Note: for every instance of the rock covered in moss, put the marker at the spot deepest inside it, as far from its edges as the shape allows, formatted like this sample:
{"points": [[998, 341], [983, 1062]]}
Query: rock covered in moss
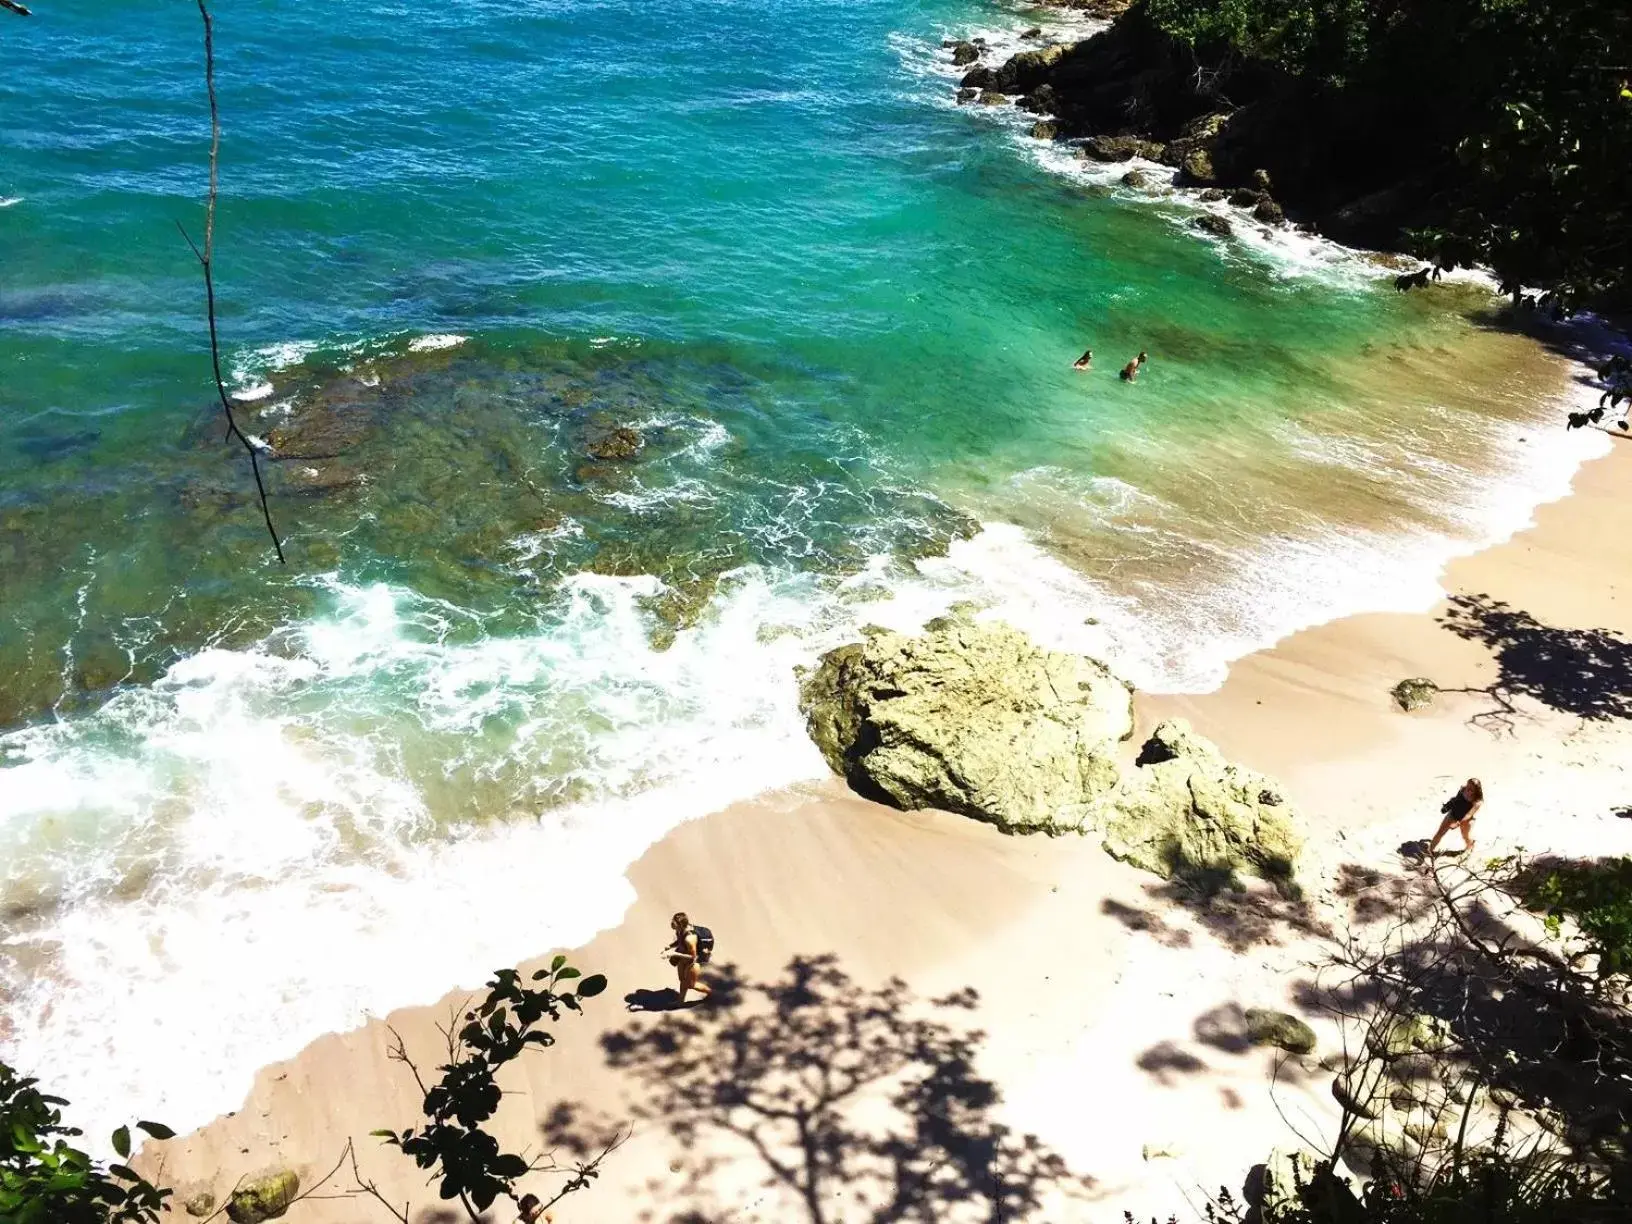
{"points": [[971, 718], [1415, 693], [1043, 130], [1281, 1029], [1187, 812], [263, 1198]]}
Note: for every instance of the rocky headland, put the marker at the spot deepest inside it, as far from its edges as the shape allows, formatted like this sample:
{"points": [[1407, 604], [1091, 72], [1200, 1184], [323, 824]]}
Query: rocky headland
{"points": [[976, 718], [1353, 164]]}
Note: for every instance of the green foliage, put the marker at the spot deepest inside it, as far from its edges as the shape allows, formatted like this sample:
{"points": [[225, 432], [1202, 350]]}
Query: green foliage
{"points": [[468, 1162], [1527, 104], [45, 1180], [1597, 898]]}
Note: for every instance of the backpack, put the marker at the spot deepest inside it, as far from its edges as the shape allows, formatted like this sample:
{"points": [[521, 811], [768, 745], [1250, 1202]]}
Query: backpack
{"points": [[705, 944]]}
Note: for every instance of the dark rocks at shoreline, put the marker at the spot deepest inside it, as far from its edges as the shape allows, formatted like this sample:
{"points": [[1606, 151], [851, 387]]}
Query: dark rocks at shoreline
{"points": [[1040, 102], [1035, 32], [1269, 212], [1139, 179], [1024, 71], [1212, 223], [1122, 148], [990, 97], [964, 53], [967, 95], [1043, 130]]}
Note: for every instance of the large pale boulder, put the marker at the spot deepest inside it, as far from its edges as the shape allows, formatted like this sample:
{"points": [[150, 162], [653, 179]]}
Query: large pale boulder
{"points": [[1186, 811], [971, 718]]}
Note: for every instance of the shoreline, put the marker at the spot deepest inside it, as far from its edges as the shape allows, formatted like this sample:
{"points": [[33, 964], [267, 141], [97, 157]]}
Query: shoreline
{"points": [[1093, 977]]}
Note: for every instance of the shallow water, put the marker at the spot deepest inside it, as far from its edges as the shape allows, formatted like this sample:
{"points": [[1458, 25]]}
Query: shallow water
{"points": [[242, 804]]}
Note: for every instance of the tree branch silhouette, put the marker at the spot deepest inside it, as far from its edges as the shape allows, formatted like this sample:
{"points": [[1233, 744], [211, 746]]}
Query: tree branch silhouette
{"points": [[206, 258]]}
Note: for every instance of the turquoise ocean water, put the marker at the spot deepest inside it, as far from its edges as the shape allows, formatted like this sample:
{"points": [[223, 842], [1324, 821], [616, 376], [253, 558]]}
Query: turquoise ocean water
{"points": [[242, 804]]}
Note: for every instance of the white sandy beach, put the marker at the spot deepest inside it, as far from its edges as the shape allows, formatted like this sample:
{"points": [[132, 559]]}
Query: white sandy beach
{"points": [[1110, 1009]]}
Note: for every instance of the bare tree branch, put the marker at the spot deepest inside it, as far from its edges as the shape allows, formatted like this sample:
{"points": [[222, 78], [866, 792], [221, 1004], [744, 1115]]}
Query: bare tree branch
{"points": [[205, 259]]}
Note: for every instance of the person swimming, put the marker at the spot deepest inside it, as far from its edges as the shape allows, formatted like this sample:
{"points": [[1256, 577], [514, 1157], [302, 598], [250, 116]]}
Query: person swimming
{"points": [[1085, 362], [1131, 370]]}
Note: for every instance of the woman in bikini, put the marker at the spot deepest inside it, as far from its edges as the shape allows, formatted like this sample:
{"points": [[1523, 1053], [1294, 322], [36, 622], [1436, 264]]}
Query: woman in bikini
{"points": [[1459, 810], [682, 954]]}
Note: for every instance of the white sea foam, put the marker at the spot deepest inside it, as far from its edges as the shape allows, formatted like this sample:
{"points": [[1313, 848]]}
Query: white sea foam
{"points": [[9, 201], [431, 344], [253, 392], [308, 878]]}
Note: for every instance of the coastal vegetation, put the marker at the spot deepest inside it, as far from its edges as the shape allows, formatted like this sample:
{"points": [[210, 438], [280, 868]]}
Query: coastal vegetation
{"points": [[46, 1179], [1487, 132]]}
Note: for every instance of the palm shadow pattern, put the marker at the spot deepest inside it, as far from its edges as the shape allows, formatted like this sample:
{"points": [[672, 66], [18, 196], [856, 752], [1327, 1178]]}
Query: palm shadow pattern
{"points": [[1585, 672], [861, 1104]]}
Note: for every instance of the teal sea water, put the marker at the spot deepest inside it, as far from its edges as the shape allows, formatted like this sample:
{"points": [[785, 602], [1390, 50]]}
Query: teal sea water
{"points": [[459, 247]]}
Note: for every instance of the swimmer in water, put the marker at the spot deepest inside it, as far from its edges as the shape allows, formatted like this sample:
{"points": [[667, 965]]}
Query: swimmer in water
{"points": [[1085, 362]]}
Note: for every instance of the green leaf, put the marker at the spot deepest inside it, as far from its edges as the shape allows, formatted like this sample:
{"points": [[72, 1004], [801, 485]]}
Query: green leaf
{"points": [[555, 965], [156, 1130], [569, 972], [121, 1142], [592, 986]]}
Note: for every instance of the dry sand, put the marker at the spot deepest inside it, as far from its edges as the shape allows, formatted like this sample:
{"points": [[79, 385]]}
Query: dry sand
{"points": [[1111, 1010]]}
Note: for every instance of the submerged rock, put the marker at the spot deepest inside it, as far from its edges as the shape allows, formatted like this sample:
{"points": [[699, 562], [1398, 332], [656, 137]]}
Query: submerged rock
{"points": [[263, 1198], [1136, 178], [1033, 33], [620, 442], [1212, 223], [970, 718], [968, 95], [1187, 812], [964, 53]]}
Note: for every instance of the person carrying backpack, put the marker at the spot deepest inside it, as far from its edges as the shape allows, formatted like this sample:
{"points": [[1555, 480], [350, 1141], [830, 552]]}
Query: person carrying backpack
{"points": [[693, 947]]}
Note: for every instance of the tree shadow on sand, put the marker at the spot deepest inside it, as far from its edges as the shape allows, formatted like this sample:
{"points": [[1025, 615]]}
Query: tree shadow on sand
{"points": [[1585, 672], [859, 1104]]}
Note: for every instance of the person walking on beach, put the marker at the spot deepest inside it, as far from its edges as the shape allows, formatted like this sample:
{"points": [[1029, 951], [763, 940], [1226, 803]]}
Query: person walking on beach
{"points": [[1085, 362], [1459, 810], [686, 955]]}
